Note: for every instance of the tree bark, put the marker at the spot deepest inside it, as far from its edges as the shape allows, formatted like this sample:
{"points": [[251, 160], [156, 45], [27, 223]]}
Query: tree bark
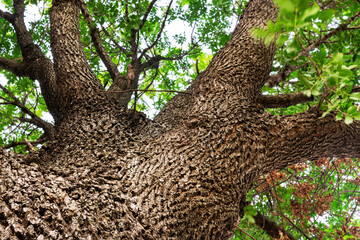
{"points": [[111, 173]]}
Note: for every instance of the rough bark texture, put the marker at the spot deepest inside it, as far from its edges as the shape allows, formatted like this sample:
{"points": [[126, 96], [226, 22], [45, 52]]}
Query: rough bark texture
{"points": [[111, 173]]}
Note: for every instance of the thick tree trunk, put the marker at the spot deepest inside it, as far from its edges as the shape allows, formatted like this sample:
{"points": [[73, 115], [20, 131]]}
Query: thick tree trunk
{"points": [[113, 174]]}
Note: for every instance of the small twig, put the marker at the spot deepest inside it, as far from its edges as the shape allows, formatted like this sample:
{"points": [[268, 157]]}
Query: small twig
{"points": [[308, 54], [29, 145], [43, 36], [14, 144], [197, 67], [246, 233], [152, 81], [294, 225]]}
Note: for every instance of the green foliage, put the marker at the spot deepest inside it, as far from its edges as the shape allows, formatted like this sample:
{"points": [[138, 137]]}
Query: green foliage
{"points": [[332, 68]]}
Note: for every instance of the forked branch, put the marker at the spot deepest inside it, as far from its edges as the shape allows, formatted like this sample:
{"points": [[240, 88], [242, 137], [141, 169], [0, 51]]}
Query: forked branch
{"points": [[35, 119], [100, 49], [335, 31], [159, 33]]}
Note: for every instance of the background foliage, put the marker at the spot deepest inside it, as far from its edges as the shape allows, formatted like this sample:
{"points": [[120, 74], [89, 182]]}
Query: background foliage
{"points": [[318, 55]]}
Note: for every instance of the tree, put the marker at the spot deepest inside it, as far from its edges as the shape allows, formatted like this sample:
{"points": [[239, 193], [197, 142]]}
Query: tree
{"points": [[105, 171]]}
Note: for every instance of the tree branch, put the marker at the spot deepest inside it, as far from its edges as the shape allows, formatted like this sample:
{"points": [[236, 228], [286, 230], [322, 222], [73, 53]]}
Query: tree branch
{"points": [[122, 49], [154, 61], [14, 67], [283, 74], [289, 99], [159, 33], [7, 16], [335, 31], [100, 49], [36, 120], [14, 144], [271, 227], [241, 67], [292, 139], [151, 5], [284, 100], [76, 82], [34, 65]]}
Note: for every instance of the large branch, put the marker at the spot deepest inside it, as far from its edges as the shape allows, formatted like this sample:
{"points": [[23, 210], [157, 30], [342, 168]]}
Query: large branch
{"points": [[284, 100], [77, 83], [12, 66], [289, 99], [34, 65], [271, 227], [307, 136], [240, 69]]}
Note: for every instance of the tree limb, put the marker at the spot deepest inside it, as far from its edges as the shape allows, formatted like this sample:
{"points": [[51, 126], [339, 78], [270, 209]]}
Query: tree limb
{"points": [[34, 65], [14, 144], [100, 49], [292, 139], [12, 66], [283, 74], [154, 61], [289, 99], [122, 49], [151, 5], [36, 120], [7, 16], [77, 84], [284, 100], [271, 227], [335, 31], [159, 33]]}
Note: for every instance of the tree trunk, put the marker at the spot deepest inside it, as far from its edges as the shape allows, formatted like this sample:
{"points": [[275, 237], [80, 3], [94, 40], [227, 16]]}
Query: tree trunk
{"points": [[112, 173]]}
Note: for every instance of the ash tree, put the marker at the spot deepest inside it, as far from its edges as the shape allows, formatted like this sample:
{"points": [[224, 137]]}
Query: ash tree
{"points": [[233, 112]]}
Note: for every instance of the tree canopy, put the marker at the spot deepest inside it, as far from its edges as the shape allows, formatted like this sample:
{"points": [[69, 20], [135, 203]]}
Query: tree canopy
{"points": [[164, 45]]}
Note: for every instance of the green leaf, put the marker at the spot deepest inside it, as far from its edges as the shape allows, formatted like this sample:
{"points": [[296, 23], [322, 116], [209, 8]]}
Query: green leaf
{"points": [[348, 119], [339, 116], [307, 93], [282, 39], [270, 26], [285, 5], [331, 81], [310, 12], [352, 110], [315, 92], [338, 58], [356, 116], [355, 96]]}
